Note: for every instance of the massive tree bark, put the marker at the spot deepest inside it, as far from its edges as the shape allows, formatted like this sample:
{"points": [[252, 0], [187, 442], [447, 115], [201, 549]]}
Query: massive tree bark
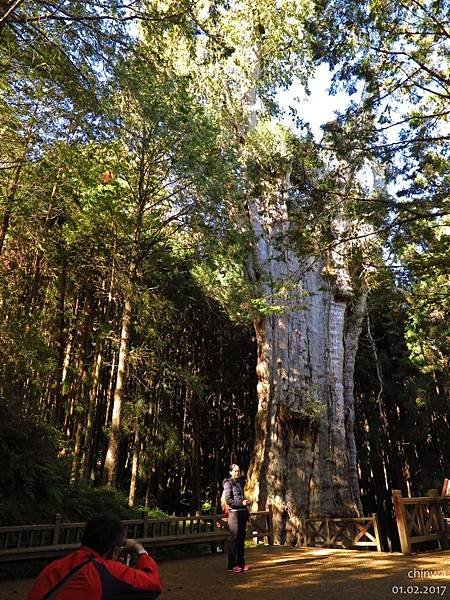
{"points": [[304, 460]]}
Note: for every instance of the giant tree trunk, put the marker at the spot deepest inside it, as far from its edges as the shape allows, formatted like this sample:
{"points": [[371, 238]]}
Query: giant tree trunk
{"points": [[304, 460]]}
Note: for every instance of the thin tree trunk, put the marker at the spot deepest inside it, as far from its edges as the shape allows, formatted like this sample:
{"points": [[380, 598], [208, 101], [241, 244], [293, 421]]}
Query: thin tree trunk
{"points": [[11, 193], [10, 197], [7, 8], [60, 338], [80, 389], [30, 292], [86, 460], [152, 426], [134, 466], [195, 452], [74, 473], [112, 454], [86, 463]]}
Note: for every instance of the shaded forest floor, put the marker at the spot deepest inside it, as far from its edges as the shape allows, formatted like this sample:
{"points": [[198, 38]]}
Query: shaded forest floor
{"points": [[293, 574]]}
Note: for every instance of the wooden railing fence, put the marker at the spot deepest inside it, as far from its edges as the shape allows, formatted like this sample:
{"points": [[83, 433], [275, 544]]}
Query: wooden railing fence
{"points": [[56, 539], [422, 519], [259, 526], [344, 532], [50, 540]]}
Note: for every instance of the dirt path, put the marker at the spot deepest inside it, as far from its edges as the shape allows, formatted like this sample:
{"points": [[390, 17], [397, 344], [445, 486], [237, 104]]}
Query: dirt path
{"points": [[279, 573]]}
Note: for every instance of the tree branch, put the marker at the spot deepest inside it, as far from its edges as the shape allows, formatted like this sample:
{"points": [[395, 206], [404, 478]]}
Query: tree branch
{"points": [[431, 16], [434, 74]]}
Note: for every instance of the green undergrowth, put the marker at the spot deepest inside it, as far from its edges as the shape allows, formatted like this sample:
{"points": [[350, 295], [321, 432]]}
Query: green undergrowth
{"points": [[77, 503], [35, 475], [252, 544]]}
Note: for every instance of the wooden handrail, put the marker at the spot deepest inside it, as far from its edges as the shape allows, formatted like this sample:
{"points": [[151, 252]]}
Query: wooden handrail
{"points": [[23, 541], [340, 519], [426, 500]]}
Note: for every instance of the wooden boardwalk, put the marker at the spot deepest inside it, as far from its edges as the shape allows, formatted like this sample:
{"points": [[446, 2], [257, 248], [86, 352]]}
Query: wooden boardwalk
{"points": [[297, 574]]}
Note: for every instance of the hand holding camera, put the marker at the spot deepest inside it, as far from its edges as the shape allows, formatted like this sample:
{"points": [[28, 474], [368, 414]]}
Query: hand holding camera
{"points": [[132, 545]]}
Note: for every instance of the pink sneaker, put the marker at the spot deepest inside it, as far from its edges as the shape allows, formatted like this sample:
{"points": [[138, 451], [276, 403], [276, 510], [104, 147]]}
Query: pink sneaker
{"points": [[246, 568], [235, 570]]}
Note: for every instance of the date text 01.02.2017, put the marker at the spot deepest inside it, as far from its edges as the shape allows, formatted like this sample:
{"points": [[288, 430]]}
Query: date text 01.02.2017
{"points": [[430, 590]]}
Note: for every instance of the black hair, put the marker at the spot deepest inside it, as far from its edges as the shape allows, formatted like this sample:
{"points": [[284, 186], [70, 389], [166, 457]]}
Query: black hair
{"points": [[103, 533]]}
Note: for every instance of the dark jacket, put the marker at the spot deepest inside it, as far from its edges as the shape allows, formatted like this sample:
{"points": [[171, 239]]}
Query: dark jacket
{"points": [[99, 579], [234, 493]]}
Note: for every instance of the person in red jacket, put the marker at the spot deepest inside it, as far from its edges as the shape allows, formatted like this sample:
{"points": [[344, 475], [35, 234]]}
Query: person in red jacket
{"points": [[95, 572]]}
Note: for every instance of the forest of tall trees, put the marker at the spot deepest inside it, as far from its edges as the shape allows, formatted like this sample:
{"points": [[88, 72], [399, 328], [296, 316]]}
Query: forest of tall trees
{"points": [[186, 282]]}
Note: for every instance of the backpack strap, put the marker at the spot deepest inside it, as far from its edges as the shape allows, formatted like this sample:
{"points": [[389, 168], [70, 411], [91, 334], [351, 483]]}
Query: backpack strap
{"points": [[51, 594]]}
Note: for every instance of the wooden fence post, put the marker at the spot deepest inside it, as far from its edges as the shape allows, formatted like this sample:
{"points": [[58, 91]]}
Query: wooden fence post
{"points": [[401, 522], [301, 536], [214, 528], [145, 525], [58, 519], [442, 528], [307, 538], [327, 529], [376, 529], [253, 525], [270, 524]]}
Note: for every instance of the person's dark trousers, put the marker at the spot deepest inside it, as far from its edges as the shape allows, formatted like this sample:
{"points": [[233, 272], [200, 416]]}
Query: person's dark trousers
{"points": [[237, 523]]}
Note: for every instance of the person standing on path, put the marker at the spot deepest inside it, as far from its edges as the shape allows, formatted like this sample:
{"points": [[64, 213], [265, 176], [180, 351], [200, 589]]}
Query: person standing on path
{"points": [[237, 520]]}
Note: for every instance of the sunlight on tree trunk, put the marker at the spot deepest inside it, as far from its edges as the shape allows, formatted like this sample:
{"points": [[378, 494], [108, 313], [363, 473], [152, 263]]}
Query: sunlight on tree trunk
{"points": [[112, 454]]}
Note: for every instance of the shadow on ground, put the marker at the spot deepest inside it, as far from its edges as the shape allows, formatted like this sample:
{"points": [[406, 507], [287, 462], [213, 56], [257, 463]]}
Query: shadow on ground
{"points": [[298, 574]]}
